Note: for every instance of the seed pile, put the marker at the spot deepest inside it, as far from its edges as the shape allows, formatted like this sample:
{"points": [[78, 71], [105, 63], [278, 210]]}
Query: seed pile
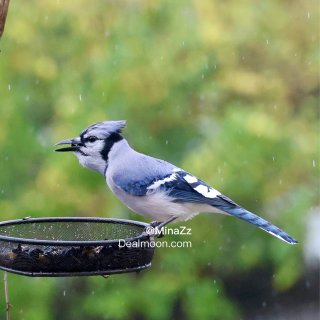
{"points": [[31, 258]]}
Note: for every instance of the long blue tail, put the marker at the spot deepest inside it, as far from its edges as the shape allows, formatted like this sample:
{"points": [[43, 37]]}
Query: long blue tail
{"points": [[227, 205]]}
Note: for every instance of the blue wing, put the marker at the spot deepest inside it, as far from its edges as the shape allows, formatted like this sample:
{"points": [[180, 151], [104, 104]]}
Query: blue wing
{"points": [[172, 181], [136, 188], [182, 187]]}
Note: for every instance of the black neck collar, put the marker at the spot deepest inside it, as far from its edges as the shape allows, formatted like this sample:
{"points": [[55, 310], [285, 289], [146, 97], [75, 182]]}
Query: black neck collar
{"points": [[109, 142]]}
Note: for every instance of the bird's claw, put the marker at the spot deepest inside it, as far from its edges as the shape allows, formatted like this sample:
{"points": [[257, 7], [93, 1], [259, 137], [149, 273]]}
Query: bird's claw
{"points": [[155, 224], [156, 231]]}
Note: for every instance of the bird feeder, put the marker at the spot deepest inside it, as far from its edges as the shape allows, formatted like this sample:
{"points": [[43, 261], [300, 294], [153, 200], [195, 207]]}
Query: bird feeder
{"points": [[55, 247]]}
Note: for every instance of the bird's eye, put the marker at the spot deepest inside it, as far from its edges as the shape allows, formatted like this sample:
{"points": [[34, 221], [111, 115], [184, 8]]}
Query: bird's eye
{"points": [[92, 139]]}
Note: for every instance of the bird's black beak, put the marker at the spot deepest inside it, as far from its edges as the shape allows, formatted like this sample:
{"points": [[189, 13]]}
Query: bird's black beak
{"points": [[74, 142]]}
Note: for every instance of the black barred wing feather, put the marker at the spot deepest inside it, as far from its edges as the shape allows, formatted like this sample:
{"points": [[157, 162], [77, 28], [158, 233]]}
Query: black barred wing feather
{"points": [[184, 187]]}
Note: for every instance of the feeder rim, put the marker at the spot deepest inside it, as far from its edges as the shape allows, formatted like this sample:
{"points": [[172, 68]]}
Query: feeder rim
{"points": [[27, 220], [76, 273]]}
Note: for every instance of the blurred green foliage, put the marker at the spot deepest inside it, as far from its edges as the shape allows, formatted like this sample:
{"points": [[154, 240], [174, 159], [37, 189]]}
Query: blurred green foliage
{"points": [[227, 90]]}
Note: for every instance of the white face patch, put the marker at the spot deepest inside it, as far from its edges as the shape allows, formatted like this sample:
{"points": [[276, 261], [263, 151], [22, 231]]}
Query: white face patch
{"points": [[92, 156], [190, 179], [158, 183], [207, 192], [94, 147]]}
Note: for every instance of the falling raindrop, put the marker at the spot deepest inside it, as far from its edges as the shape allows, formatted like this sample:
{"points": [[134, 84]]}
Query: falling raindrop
{"points": [[80, 97], [314, 163], [64, 293], [9, 86], [267, 42], [308, 15]]}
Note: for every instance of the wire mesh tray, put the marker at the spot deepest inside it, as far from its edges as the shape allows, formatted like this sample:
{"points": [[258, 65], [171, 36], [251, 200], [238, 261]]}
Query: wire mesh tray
{"points": [[74, 246]]}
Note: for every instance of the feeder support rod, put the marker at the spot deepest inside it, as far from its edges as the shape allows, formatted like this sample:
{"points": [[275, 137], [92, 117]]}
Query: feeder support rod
{"points": [[4, 5]]}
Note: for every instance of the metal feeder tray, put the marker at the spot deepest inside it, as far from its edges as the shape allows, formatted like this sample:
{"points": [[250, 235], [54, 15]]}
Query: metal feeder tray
{"points": [[55, 247]]}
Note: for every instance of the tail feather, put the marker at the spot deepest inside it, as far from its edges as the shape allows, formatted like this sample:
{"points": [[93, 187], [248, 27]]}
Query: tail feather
{"points": [[232, 208]]}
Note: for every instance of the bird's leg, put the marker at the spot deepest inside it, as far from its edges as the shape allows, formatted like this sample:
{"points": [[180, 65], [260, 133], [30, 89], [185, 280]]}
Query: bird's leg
{"points": [[157, 226], [154, 229], [162, 224]]}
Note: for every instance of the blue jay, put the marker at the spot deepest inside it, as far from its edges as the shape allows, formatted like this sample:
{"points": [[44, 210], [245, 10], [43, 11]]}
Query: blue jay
{"points": [[153, 187]]}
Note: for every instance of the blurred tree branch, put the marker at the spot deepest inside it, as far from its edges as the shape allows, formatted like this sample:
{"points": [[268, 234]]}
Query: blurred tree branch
{"points": [[4, 5]]}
